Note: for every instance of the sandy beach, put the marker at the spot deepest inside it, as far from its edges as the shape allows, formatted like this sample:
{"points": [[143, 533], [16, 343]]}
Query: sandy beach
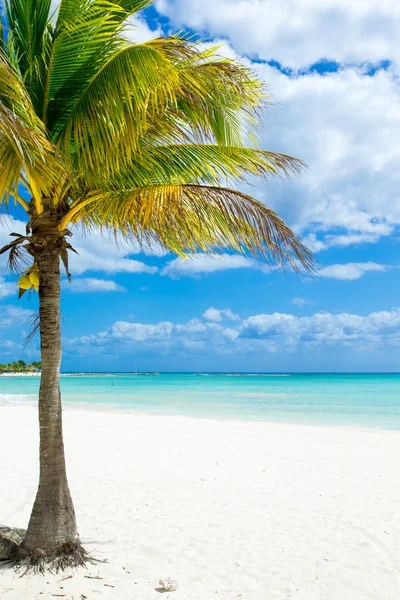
{"points": [[252, 510], [25, 374]]}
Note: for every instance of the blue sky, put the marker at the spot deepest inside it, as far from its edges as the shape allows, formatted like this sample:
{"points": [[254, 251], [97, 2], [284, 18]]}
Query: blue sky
{"points": [[333, 70]]}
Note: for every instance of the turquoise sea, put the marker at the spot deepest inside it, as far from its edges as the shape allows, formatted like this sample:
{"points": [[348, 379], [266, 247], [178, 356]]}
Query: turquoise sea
{"points": [[352, 399]]}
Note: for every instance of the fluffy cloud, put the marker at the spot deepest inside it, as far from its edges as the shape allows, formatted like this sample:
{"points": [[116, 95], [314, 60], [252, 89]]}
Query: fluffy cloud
{"points": [[137, 332], [263, 333], [199, 264], [196, 265], [288, 331], [350, 271], [7, 288], [349, 195], [101, 252], [213, 314], [195, 336], [83, 285], [300, 301], [296, 33], [138, 31]]}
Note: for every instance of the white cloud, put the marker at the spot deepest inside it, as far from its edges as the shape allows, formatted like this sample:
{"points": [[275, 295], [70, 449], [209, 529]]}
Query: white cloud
{"points": [[288, 331], [296, 33], [350, 194], [316, 244], [89, 284], [263, 333], [7, 288], [102, 253], [350, 271], [139, 32], [300, 301], [213, 314], [193, 336], [133, 332], [198, 264], [342, 241]]}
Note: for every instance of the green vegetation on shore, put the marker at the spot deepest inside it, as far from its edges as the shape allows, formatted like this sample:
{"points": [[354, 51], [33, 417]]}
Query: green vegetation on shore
{"points": [[20, 366]]}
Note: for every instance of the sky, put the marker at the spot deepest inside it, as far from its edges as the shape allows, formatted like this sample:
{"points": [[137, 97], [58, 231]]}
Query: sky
{"points": [[333, 69]]}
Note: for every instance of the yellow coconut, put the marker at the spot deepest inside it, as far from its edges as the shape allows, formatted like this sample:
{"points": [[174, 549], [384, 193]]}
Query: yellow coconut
{"points": [[34, 278], [24, 282]]}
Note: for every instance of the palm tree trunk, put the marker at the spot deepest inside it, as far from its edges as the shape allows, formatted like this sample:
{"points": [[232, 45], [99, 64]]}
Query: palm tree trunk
{"points": [[52, 523]]}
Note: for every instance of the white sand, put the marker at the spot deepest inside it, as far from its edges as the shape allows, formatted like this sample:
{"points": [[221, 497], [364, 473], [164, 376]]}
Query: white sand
{"points": [[255, 511], [26, 374]]}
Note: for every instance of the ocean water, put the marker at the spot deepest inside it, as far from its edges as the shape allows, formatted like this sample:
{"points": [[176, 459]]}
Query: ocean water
{"points": [[371, 400]]}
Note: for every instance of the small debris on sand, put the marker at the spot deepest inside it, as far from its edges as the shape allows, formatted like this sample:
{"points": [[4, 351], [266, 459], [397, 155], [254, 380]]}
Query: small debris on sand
{"points": [[169, 585]]}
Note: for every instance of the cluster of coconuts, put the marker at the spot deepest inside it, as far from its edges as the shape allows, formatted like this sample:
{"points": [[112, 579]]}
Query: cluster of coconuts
{"points": [[30, 281]]}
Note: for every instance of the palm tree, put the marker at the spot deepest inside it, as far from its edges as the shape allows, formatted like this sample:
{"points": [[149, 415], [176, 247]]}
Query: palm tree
{"points": [[141, 139]]}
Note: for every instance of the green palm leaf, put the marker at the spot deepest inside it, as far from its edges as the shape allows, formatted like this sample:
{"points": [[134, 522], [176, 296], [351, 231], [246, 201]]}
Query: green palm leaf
{"points": [[220, 98], [201, 163], [29, 39], [135, 85], [84, 37], [25, 152], [87, 34], [166, 89], [68, 9], [195, 217]]}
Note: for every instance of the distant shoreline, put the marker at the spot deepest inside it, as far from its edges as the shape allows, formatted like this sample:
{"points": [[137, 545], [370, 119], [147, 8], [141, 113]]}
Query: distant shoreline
{"points": [[17, 374], [38, 374], [198, 374]]}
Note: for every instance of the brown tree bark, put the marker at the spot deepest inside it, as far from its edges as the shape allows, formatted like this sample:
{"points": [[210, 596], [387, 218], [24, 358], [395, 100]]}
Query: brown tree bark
{"points": [[52, 523]]}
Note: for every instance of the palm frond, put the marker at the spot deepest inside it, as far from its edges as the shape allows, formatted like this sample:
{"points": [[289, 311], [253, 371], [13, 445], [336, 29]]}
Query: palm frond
{"points": [[2, 37], [136, 138], [193, 217], [134, 6], [87, 34], [29, 40], [163, 90], [68, 9], [134, 86], [220, 98], [24, 147], [201, 163]]}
